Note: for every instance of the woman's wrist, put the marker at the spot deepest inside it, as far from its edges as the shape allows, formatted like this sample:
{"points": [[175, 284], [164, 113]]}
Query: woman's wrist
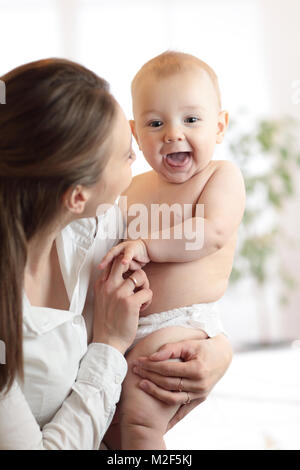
{"points": [[121, 347]]}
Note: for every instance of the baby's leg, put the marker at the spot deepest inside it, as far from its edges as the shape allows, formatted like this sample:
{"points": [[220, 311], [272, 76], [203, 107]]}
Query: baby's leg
{"points": [[143, 418]]}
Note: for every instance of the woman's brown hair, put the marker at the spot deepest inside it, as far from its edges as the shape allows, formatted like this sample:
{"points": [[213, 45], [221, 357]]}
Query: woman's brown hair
{"points": [[54, 134]]}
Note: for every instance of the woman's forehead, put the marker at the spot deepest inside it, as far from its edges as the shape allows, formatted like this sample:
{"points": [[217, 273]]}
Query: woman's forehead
{"points": [[122, 136]]}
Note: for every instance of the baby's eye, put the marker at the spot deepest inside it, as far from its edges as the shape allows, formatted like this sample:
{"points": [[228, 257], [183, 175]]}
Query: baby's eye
{"points": [[156, 123], [191, 119]]}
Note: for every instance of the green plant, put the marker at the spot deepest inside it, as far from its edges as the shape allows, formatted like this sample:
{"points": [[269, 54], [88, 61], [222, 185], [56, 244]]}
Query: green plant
{"points": [[268, 158]]}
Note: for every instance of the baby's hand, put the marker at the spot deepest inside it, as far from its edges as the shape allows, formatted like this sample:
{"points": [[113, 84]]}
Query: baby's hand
{"points": [[133, 250]]}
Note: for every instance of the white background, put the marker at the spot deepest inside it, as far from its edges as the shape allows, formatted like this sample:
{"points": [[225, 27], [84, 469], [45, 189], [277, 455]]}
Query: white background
{"points": [[253, 45]]}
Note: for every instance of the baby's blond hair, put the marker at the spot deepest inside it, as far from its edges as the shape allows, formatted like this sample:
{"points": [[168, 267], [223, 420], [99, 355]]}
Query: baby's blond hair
{"points": [[172, 62]]}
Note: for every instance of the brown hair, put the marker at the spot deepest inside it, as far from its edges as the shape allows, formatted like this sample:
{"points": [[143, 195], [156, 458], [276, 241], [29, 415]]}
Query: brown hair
{"points": [[54, 130], [172, 62]]}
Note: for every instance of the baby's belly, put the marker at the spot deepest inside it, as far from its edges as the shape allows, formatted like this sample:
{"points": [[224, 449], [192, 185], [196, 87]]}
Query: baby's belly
{"points": [[178, 284]]}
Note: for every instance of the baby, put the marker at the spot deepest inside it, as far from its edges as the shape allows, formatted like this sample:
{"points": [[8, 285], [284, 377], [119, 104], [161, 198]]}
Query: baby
{"points": [[187, 257]]}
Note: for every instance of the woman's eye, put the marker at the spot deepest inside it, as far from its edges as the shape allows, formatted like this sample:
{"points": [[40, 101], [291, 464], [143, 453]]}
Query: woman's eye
{"points": [[191, 120], [155, 123]]}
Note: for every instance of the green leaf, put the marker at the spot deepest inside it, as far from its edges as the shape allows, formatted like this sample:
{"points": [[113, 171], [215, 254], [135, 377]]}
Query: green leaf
{"points": [[272, 141], [236, 275], [284, 153], [274, 197]]}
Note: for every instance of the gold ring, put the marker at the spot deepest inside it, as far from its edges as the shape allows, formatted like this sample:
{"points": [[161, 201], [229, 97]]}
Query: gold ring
{"points": [[188, 400], [133, 280], [180, 385]]}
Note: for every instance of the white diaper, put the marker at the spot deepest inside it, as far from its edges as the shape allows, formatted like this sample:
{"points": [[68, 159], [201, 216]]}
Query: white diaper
{"points": [[200, 316]]}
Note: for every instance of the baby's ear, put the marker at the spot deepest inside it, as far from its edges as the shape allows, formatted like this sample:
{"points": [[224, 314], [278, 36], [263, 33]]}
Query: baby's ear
{"points": [[223, 120], [133, 130]]}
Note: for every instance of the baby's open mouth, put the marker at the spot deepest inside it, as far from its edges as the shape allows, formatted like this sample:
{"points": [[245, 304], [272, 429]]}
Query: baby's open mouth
{"points": [[177, 159]]}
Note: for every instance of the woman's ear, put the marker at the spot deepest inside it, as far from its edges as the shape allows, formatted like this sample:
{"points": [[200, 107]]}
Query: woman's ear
{"points": [[223, 120], [75, 199], [133, 130]]}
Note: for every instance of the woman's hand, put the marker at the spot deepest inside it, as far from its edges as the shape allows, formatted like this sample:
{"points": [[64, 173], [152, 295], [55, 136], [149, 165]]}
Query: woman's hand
{"points": [[133, 250], [201, 365], [117, 304]]}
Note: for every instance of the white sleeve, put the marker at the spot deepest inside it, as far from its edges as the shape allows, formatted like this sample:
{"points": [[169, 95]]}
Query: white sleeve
{"points": [[84, 416]]}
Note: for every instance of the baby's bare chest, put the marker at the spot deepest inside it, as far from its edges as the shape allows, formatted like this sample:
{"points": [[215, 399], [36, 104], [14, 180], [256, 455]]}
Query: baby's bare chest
{"points": [[152, 205]]}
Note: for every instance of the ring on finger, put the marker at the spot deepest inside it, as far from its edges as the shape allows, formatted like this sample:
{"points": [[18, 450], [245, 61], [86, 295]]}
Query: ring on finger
{"points": [[180, 389], [133, 280], [188, 400]]}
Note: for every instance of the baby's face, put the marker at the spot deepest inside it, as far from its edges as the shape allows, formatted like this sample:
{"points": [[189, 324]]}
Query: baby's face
{"points": [[177, 123]]}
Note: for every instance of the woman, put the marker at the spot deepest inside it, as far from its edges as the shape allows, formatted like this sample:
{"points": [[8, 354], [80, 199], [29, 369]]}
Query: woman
{"points": [[65, 149]]}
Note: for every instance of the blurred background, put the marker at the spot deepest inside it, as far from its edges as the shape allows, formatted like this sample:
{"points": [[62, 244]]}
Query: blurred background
{"points": [[253, 46]]}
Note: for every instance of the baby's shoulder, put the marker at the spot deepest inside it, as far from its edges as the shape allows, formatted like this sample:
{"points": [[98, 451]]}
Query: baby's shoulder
{"points": [[225, 165], [223, 169], [147, 176], [224, 174], [140, 181]]}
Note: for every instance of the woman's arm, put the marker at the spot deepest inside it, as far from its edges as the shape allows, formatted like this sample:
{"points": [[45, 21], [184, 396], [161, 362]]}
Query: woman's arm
{"points": [[86, 413], [84, 416], [202, 364]]}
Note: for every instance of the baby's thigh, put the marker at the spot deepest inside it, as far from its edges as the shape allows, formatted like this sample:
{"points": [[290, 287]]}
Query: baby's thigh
{"points": [[136, 405], [154, 341]]}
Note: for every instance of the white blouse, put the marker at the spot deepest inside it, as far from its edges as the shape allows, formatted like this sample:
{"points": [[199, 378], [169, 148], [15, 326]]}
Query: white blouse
{"points": [[70, 390]]}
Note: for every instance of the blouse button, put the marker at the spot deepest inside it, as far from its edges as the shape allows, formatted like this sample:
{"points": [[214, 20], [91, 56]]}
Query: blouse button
{"points": [[77, 320], [117, 379]]}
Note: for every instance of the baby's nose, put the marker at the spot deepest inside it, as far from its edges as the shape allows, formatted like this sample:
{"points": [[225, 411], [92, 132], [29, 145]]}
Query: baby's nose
{"points": [[173, 135]]}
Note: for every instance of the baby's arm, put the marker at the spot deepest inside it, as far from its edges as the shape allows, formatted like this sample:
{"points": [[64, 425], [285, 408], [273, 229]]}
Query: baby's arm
{"points": [[223, 199]]}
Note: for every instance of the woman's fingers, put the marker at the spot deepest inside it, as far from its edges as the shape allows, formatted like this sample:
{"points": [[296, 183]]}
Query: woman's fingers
{"points": [[115, 278], [138, 279], [170, 398], [166, 368], [127, 250], [132, 249], [129, 254], [143, 296], [181, 350], [113, 252], [134, 265], [174, 384], [104, 273]]}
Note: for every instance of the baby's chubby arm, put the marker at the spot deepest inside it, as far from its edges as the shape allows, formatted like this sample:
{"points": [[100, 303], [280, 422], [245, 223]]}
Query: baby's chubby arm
{"points": [[223, 204], [223, 201], [135, 251]]}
